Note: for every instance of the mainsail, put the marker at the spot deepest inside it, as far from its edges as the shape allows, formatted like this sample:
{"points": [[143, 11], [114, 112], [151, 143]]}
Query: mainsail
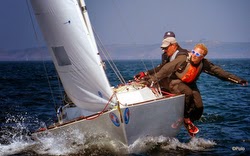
{"points": [[74, 52]]}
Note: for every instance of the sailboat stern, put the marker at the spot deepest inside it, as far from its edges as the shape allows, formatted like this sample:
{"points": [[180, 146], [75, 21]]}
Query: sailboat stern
{"points": [[163, 117], [145, 112]]}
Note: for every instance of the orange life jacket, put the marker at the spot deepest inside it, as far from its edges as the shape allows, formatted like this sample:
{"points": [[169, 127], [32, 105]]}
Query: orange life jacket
{"points": [[190, 72]]}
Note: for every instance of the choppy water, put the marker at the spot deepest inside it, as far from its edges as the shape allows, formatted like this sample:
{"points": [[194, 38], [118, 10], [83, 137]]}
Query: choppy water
{"points": [[28, 98]]}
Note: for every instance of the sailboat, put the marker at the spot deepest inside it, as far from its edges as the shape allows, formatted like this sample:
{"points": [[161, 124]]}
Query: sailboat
{"points": [[124, 113]]}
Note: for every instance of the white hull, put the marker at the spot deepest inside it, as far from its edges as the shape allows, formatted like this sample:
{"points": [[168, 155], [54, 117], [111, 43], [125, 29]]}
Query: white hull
{"points": [[152, 118]]}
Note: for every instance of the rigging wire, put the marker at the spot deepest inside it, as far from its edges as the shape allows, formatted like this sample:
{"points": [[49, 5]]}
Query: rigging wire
{"points": [[109, 59], [144, 64], [101, 47], [123, 23], [158, 84], [107, 54], [39, 43], [126, 28], [153, 67]]}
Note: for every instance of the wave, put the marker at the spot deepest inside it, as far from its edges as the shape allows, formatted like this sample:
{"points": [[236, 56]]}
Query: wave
{"points": [[76, 143]]}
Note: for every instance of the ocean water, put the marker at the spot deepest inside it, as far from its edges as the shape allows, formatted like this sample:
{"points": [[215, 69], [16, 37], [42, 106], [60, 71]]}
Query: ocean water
{"points": [[29, 96]]}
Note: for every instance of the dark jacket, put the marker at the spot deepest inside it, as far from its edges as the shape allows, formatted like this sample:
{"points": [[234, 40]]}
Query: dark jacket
{"points": [[166, 59], [168, 71]]}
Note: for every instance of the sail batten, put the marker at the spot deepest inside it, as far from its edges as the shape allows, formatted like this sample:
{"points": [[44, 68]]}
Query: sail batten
{"points": [[74, 52]]}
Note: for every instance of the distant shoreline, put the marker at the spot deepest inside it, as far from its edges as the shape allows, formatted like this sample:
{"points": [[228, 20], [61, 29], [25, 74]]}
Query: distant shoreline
{"points": [[221, 50]]}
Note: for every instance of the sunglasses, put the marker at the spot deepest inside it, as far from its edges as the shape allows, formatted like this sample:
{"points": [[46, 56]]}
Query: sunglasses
{"points": [[196, 53]]}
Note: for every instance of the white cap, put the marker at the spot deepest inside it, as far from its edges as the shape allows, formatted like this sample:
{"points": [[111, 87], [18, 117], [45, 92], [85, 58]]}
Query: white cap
{"points": [[167, 41]]}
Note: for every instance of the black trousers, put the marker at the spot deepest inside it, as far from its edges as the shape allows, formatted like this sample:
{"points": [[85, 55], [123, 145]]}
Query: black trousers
{"points": [[193, 101]]}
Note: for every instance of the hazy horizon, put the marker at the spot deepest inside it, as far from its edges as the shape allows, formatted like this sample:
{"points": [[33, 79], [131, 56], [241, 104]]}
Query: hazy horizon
{"points": [[136, 51]]}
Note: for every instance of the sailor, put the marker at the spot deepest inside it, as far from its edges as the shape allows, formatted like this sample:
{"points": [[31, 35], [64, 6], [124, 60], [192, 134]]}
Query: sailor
{"points": [[181, 75], [165, 55], [171, 50]]}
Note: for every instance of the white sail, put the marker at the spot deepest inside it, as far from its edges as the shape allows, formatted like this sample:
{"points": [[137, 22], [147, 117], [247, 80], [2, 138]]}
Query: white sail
{"points": [[74, 52]]}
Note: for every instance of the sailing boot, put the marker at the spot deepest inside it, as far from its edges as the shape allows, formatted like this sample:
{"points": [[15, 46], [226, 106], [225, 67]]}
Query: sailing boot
{"points": [[191, 128]]}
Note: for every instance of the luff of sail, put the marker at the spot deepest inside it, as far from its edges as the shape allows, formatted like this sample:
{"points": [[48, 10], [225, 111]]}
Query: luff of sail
{"points": [[74, 52]]}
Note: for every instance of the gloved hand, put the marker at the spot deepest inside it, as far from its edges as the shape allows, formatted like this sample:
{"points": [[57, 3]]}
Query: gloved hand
{"points": [[243, 82], [139, 76]]}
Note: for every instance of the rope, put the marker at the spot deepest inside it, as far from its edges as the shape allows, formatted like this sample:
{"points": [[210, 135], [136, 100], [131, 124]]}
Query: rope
{"points": [[98, 114], [167, 93]]}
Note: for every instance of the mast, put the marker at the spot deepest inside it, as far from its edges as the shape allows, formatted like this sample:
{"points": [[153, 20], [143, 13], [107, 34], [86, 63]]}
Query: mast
{"points": [[87, 20]]}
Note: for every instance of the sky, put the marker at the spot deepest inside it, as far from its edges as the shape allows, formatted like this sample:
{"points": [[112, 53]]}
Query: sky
{"points": [[138, 21]]}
